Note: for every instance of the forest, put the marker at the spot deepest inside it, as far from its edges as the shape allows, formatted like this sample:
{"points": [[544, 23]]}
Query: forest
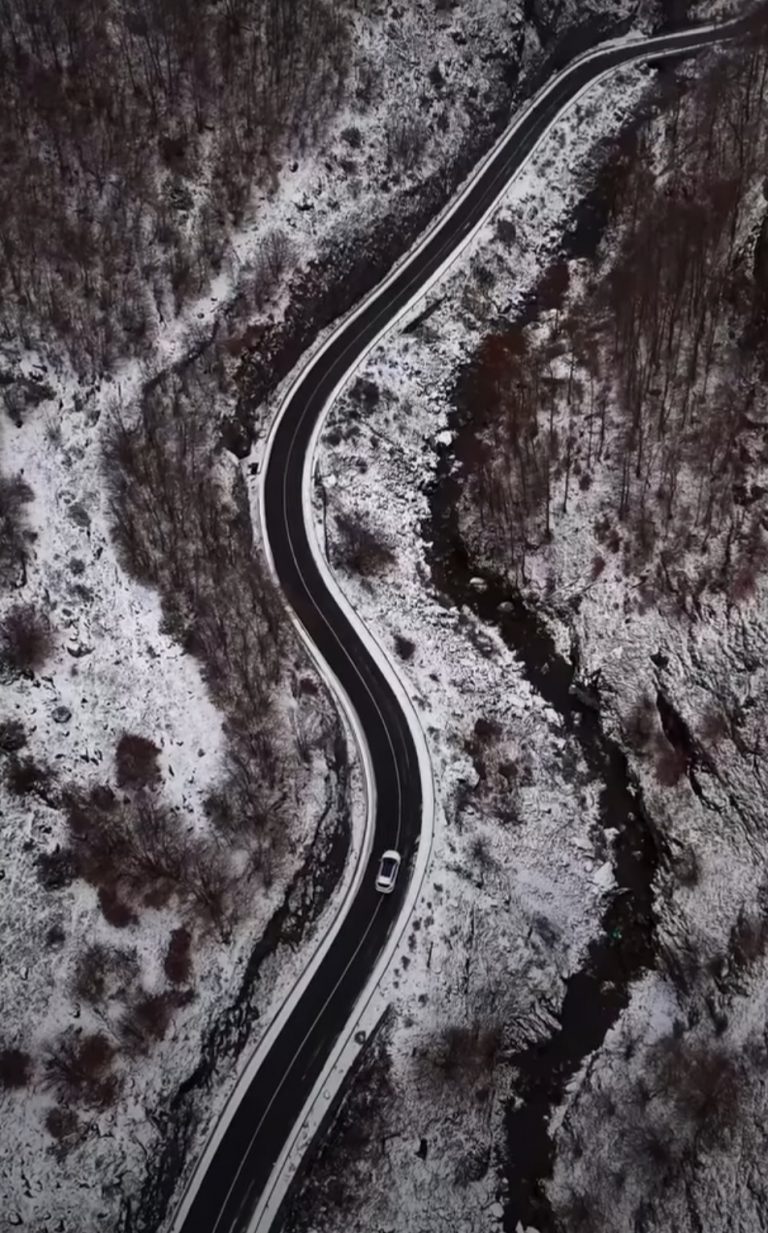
{"points": [[647, 379], [133, 133]]}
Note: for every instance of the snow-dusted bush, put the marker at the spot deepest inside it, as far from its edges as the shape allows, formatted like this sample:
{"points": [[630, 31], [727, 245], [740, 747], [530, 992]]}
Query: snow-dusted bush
{"points": [[360, 549], [136, 761], [26, 638], [15, 1067]]}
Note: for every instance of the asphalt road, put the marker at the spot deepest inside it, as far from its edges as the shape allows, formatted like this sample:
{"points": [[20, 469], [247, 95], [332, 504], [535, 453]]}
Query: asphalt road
{"points": [[254, 1139]]}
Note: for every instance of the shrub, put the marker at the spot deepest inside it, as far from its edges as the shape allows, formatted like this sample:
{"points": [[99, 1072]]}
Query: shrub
{"points": [[748, 940], [406, 139], [506, 230], [78, 1069], [469, 1053], [15, 493], [146, 1021], [352, 136], [579, 1214], [404, 647], [156, 862], [703, 1081], [486, 731], [178, 963], [101, 837], [58, 869], [26, 640], [115, 910], [671, 763], [641, 724], [24, 776], [480, 854], [15, 1068], [103, 973], [12, 736], [136, 759], [63, 1125], [210, 887], [360, 550]]}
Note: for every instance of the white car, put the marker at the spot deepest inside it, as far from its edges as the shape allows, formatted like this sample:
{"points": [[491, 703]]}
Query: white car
{"points": [[387, 875]]}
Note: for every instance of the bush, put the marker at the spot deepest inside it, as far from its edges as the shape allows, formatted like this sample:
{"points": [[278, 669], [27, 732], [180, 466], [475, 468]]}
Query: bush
{"points": [[359, 550], [146, 1021], [12, 736], [63, 1125], [56, 870], [103, 973], [115, 910], [136, 759], [469, 1054], [406, 140], [352, 136], [78, 1069], [671, 763], [703, 1081], [748, 940], [26, 640], [157, 858], [15, 1068], [210, 887], [24, 776], [178, 963], [481, 855], [686, 867], [100, 836], [506, 230], [15, 493], [714, 726], [404, 647], [641, 724]]}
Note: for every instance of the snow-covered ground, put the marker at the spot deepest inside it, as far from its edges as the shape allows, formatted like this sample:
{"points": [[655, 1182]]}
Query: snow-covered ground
{"points": [[113, 670], [113, 667], [520, 866], [662, 1124]]}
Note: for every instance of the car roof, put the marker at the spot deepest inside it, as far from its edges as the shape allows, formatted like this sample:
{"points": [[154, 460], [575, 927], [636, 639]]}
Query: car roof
{"points": [[390, 855]]}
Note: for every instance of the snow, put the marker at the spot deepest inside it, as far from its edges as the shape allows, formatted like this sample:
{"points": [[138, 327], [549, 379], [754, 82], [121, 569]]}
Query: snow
{"points": [[510, 905], [718, 1001], [131, 676], [128, 676], [134, 677]]}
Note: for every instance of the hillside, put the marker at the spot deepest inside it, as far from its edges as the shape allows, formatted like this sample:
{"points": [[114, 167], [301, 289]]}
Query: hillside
{"points": [[190, 193], [559, 468]]}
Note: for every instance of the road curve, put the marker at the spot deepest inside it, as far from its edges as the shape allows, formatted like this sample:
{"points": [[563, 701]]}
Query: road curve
{"points": [[240, 1169]]}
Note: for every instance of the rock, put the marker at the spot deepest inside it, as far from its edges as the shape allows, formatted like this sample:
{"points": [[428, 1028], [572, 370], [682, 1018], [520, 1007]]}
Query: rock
{"points": [[79, 516], [62, 715], [77, 652]]}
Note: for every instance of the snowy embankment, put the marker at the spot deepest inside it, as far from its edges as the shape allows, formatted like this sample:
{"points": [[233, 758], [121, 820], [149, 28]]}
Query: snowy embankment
{"points": [[520, 868]]}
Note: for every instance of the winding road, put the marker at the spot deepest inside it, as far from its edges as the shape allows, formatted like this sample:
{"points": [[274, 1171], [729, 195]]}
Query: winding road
{"points": [[224, 1198]]}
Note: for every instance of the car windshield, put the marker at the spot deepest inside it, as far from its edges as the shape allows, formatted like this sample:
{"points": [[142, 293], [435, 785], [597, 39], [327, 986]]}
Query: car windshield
{"points": [[388, 868]]}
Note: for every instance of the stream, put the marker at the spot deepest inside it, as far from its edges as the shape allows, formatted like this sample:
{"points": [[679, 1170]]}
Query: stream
{"points": [[626, 944]]}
